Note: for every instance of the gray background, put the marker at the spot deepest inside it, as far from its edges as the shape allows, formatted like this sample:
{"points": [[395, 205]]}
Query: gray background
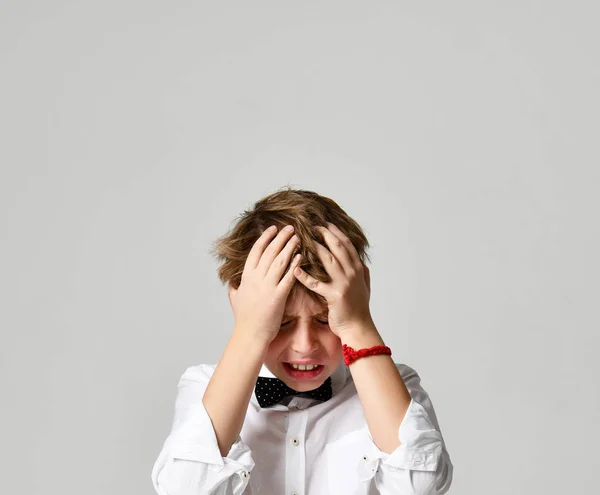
{"points": [[459, 134]]}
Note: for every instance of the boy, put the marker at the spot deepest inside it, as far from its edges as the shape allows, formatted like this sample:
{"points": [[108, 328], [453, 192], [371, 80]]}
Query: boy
{"points": [[281, 413]]}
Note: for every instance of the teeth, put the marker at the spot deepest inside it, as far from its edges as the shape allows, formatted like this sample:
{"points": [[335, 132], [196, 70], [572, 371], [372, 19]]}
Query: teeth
{"points": [[304, 367]]}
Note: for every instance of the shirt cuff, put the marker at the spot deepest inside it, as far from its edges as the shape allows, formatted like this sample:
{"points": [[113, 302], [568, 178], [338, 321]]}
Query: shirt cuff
{"points": [[420, 449], [195, 440]]}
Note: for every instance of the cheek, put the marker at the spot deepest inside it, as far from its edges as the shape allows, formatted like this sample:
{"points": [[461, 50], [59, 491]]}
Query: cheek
{"points": [[333, 344], [275, 348]]}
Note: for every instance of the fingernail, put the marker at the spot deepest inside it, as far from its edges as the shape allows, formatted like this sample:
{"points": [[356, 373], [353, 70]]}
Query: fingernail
{"points": [[289, 228]]}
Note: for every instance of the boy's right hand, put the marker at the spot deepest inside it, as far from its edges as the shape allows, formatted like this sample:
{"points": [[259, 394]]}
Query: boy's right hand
{"points": [[259, 302]]}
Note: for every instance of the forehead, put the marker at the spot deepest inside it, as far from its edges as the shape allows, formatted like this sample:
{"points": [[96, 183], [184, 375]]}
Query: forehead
{"points": [[301, 303]]}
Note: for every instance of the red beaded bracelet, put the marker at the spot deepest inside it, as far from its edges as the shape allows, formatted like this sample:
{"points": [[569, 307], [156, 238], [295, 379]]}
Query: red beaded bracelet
{"points": [[350, 355]]}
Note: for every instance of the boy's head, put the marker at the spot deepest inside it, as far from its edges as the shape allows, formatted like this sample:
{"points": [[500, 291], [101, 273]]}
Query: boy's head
{"points": [[304, 334]]}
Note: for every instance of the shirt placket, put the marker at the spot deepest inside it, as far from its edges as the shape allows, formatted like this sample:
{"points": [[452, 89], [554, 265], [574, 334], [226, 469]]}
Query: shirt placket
{"points": [[295, 453]]}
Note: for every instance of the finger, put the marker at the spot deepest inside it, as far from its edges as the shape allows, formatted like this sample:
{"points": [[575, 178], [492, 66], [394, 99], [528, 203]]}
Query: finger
{"points": [[331, 264], [282, 260], [312, 283], [336, 246], [259, 246], [274, 248], [288, 280], [347, 243]]}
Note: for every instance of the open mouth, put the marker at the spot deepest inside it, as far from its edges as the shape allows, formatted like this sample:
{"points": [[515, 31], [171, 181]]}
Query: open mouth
{"points": [[304, 367], [303, 371]]}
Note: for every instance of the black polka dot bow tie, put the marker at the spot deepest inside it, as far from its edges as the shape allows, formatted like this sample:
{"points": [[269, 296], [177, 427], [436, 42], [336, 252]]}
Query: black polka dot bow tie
{"points": [[270, 391]]}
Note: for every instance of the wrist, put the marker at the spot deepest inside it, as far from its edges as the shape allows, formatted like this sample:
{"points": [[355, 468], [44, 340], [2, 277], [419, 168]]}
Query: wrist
{"points": [[361, 336], [254, 342]]}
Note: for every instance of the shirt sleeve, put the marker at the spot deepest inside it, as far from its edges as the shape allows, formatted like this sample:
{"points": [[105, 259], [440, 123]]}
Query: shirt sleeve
{"points": [[190, 462], [421, 464]]}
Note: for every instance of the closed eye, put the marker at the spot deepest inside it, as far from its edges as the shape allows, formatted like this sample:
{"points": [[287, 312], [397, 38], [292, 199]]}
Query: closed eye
{"points": [[322, 322]]}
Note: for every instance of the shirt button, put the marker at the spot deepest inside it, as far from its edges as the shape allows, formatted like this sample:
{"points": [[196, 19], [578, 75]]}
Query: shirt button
{"points": [[245, 474], [294, 493], [294, 441]]}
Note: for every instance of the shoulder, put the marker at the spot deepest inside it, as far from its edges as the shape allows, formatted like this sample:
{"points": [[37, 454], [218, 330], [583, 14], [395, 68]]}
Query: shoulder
{"points": [[407, 372], [200, 373], [410, 377]]}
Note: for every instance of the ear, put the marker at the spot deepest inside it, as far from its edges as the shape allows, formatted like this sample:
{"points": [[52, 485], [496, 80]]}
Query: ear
{"points": [[231, 292]]}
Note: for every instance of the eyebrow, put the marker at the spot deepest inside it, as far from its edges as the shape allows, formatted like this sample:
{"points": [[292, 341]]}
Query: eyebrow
{"points": [[322, 314]]}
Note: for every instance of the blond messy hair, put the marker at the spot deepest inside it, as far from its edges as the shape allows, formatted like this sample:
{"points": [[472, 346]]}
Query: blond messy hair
{"points": [[303, 209]]}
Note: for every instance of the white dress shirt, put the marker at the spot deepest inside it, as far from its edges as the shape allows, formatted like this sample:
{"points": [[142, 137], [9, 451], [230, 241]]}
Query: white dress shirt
{"points": [[306, 447]]}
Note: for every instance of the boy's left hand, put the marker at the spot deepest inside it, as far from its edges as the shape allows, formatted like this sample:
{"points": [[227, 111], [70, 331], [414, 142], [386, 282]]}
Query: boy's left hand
{"points": [[348, 293]]}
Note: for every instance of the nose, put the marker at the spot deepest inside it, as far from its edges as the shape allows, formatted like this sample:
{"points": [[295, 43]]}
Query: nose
{"points": [[304, 340]]}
